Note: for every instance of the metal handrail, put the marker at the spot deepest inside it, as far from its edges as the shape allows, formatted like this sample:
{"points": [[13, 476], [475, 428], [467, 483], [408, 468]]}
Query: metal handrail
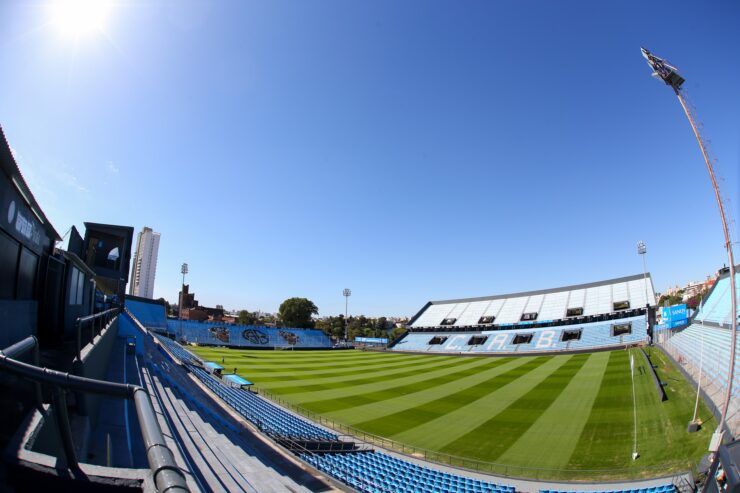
{"points": [[20, 348], [165, 472], [97, 319]]}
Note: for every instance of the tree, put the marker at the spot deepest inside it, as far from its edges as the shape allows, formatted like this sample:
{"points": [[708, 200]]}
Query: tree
{"points": [[167, 307], [247, 318], [672, 299], [381, 324], [297, 312], [695, 300], [396, 333]]}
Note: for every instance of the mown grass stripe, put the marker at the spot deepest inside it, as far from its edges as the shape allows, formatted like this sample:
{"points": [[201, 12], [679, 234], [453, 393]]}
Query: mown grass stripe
{"points": [[447, 428], [414, 395], [493, 437], [312, 366], [410, 418], [667, 420], [319, 370], [560, 426], [318, 376], [610, 424], [306, 359], [339, 394], [371, 376], [427, 382], [292, 355]]}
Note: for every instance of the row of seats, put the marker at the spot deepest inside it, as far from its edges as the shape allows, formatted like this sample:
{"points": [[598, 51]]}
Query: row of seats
{"points": [[177, 350], [715, 344], [374, 472], [269, 418], [718, 305], [221, 334], [665, 488], [593, 335]]}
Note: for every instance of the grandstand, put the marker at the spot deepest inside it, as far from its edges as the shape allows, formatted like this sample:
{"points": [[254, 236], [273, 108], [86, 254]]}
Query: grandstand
{"points": [[576, 337], [599, 315], [702, 350], [247, 336]]}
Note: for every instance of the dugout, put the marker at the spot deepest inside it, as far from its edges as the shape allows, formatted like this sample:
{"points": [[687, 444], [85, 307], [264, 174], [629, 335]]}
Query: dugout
{"points": [[236, 381], [214, 368]]}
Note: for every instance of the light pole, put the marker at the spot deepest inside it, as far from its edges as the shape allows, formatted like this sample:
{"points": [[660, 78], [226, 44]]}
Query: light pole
{"points": [[669, 74], [183, 271], [642, 251], [346, 293]]}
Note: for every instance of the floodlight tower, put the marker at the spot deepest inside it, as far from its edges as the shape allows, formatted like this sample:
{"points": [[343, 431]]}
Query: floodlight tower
{"points": [[183, 271], [669, 74], [642, 251], [346, 293]]}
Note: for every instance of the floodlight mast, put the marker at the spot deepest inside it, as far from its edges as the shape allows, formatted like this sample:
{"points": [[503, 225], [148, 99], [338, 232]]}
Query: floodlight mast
{"points": [[346, 293], [642, 251], [183, 271], [669, 74]]}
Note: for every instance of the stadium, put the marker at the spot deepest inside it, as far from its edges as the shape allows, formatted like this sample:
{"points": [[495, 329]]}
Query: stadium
{"points": [[586, 386], [554, 389]]}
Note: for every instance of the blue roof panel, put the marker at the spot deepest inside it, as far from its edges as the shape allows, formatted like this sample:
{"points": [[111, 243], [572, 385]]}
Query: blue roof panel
{"points": [[237, 380]]}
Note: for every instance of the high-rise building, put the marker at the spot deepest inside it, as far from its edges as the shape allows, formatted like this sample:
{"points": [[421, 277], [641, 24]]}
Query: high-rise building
{"points": [[145, 264]]}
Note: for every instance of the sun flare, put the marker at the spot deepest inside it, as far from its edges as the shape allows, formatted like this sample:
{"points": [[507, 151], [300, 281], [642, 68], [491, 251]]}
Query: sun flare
{"points": [[79, 18]]}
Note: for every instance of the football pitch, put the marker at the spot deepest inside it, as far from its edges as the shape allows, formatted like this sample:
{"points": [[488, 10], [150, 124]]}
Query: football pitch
{"points": [[556, 417]]}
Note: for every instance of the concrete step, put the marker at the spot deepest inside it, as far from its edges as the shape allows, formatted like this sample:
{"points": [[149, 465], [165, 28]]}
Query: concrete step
{"points": [[207, 470], [213, 444], [168, 433]]}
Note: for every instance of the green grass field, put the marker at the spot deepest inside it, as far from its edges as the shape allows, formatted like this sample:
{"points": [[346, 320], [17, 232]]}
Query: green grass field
{"points": [[533, 416]]}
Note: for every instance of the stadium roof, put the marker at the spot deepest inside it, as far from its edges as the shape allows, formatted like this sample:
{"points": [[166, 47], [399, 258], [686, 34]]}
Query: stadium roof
{"points": [[237, 380], [594, 298], [10, 168]]}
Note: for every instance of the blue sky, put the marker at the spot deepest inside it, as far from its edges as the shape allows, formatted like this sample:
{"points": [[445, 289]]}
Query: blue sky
{"points": [[407, 150]]}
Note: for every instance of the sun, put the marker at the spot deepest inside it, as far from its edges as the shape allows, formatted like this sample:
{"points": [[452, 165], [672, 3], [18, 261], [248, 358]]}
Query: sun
{"points": [[79, 18]]}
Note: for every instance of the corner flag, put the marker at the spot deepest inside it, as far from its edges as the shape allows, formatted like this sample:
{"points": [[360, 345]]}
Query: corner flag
{"points": [[635, 455]]}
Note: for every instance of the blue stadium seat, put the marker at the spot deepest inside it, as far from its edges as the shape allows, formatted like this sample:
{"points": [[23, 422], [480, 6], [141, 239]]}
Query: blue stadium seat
{"points": [[151, 315], [374, 471], [665, 488], [223, 334], [593, 335], [718, 305], [714, 342]]}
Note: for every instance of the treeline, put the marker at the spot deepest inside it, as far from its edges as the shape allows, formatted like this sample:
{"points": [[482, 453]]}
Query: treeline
{"points": [[676, 298], [301, 312], [359, 326]]}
